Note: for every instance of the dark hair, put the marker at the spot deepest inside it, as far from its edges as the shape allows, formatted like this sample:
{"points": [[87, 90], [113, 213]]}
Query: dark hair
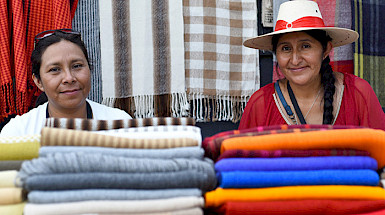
{"points": [[56, 37], [327, 76]]}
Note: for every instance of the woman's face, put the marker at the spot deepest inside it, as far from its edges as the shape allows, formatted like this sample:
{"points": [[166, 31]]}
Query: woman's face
{"points": [[64, 76], [299, 57]]}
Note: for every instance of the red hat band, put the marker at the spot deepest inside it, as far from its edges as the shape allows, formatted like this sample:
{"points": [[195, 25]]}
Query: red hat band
{"points": [[304, 22]]}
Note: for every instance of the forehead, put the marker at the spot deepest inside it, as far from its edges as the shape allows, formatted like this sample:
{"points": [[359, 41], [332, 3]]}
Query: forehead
{"points": [[61, 51], [295, 37]]}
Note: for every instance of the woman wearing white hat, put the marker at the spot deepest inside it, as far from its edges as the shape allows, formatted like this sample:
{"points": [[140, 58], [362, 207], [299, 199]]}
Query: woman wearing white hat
{"points": [[311, 92]]}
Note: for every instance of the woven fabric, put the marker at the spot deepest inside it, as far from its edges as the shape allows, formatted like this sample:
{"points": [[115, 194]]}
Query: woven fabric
{"points": [[369, 54], [89, 10], [19, 148], [23, 20], [221, 74], [7, 178], [11, 195], [12, 209], [97, 125], [142, 56]]}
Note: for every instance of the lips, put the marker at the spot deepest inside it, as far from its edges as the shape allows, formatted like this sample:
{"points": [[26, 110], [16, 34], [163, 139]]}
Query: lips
{"points": [[69, 91]]}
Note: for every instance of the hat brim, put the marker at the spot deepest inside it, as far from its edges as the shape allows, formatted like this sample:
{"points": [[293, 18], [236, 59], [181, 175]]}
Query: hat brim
{"points": [[340, 37]]}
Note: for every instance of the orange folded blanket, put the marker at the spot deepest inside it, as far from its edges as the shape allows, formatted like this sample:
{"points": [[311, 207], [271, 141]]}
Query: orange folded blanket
{"points": [[219, 196], [371, 140]]}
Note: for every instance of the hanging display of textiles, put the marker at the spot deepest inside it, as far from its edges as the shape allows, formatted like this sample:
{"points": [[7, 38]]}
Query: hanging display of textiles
{"points": [[369, 50], [221, 74], [20, 22], [142, 56]]}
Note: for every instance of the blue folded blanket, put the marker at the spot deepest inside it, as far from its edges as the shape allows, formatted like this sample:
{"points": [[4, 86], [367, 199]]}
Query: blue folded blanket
{"points": [[259, 179], [296, 163]]}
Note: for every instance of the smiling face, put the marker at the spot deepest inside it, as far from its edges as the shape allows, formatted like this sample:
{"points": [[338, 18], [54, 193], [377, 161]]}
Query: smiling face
{"points": [[300, 57], [65, 77]]}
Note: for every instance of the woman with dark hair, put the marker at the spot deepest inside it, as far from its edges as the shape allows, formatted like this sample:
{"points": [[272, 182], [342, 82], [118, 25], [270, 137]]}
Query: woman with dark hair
{"points": [[311, 92], [61, 69]]}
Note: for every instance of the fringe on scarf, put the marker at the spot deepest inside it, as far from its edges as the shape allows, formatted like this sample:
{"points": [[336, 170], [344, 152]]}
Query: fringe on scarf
{"points": [[7, 103], [147, 106], [217, 108]]}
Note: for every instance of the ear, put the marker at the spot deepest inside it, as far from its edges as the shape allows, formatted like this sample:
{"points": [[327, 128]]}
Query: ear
{"points": [[38, 82], [329, 48]]}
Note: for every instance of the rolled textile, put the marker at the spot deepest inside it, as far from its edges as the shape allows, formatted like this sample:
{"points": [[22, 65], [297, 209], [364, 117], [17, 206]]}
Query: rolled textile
{"points": [[7, 178], [78, 162], [97, 125], [260, 179], [67, 137], [235, 153], [11, 195], [332, 192], [180, 152], [19, 148], [204, 180], [127, 207], [296, 163], [157, 132], [44, 197], [371, 140], [10, 164], [302, 207], [14, 209], [192, 211]]}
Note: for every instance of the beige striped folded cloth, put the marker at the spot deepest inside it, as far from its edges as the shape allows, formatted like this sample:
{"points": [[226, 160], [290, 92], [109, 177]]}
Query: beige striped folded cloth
{"points": [[97, 125], [69, 137], [11, 195]]}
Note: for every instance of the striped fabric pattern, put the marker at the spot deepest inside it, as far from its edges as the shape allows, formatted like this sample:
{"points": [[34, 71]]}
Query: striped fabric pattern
{"points": [[369, 50], [221, 74], [142, 56], [89, 10], [67, 137], [97, 125]]}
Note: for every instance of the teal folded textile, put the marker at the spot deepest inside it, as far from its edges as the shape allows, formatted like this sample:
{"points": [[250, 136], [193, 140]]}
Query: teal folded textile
{"points": [[204, 180], [296, 163], [259, 179], [57, 196], [180, 152]]}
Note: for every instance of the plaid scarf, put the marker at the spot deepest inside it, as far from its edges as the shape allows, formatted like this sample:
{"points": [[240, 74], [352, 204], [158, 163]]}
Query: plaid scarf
{"points": [[221, 74], [20, 22], [369, 50]]}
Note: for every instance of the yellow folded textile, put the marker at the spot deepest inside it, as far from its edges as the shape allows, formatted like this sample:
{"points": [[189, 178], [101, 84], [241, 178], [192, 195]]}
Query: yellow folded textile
{"points": [[15, 209], [19, 148], [219, 196], [7, 178], [11, 195], [371, 140], [69, 137]]}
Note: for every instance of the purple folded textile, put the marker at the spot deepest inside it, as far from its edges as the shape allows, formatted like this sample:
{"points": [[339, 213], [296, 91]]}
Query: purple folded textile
{"points": [[296, 163]]}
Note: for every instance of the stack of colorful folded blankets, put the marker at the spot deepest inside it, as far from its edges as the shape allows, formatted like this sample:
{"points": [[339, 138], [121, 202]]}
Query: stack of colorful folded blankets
{"points": [[308, 169], [151, 169], [13, 152]]}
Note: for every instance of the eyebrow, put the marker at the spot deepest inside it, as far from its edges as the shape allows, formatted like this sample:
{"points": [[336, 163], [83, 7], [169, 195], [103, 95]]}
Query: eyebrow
{"points": [[304, 40]]}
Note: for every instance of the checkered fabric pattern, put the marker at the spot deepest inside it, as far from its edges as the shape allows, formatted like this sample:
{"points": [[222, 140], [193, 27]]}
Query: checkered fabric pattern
{"points": [[221, 74]]}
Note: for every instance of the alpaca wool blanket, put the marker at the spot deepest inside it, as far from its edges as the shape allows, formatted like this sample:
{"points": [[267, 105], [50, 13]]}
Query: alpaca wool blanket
{"points": [[11, 195], [7, 178], [260, 179], [371, 140], [221, 74], [290, 153], [171, 153], [292, 163], [97, 125], [10, 164], [48, 197], [142, 57], [219, 196], [204, 180], [19, 148], [111, 207], [17, 209], [302, 207], [68, 137]]}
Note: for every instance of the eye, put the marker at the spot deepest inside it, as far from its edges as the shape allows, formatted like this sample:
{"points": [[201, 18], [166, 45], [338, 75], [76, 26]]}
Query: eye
{"points": [[306, 46], [77, 66], [54, 69], [285, 48]]}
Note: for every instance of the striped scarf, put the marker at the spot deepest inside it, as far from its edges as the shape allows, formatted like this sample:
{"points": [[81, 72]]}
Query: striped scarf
{"points": [[20, 22], [142, 56]]}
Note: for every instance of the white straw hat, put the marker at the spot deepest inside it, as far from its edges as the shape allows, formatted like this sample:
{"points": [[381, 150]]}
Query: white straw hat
{"points": [[301, 15]]}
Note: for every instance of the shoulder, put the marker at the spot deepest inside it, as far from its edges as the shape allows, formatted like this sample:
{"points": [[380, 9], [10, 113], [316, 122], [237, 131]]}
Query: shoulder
{"points": [[103, 112], [358, 85], [263, 93]]}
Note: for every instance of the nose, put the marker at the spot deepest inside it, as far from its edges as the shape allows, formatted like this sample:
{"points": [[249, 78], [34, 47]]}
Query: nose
{"points": [[296, 57], [68, 76]]}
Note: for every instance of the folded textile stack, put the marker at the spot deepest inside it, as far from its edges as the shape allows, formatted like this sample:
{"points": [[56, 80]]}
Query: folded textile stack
{"points": [[309, 169], [15, 150], [140, 170], [11, 197]]}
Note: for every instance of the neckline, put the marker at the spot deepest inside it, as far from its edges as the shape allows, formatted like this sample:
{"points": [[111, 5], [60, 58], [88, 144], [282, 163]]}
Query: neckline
{"points": [[88, 106]]}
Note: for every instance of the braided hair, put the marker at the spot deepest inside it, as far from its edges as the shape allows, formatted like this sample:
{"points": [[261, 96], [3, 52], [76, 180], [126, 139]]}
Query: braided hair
{"points": [[327, 76]]}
